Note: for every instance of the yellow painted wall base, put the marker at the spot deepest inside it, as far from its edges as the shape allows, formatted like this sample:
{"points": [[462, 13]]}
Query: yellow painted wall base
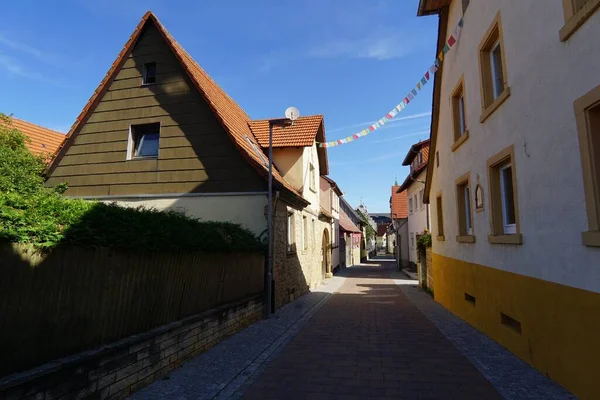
{"points": [[560, 325]]}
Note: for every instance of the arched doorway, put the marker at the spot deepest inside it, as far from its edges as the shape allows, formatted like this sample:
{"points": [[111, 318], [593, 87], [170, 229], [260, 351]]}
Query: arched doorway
{"points": [[326, 251]]}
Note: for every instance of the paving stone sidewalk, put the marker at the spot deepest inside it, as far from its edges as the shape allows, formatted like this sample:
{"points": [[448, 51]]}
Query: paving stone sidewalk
{"points": [[225, 369], [370, 341]]}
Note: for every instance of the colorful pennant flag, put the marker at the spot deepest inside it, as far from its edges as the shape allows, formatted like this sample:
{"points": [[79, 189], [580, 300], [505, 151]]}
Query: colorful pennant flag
{"points": [[452, 40]]}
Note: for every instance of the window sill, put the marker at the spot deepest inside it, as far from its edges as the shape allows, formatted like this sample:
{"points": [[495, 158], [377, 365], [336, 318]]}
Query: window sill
{"points": [[466, 239], [458, 142], [292, 253], [573, 23], [489, 110], [143, 158], [148, 84], [516, 239], [591, 238], [441, 238]]}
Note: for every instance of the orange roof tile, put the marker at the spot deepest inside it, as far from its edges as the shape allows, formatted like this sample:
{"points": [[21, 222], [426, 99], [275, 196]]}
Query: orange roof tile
{"points": [[399, 203], [42, 140], [301, 133], [228, 112]]}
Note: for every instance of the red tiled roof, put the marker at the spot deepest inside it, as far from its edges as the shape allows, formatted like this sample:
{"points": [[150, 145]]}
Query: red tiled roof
{"points": [[42, 140], [346, 223], [422, 146], [301, 134], [228, 112], [399, 203]]}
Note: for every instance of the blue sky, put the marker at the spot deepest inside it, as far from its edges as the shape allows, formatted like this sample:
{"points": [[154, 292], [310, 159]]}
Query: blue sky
{"points": [[350, 60]]}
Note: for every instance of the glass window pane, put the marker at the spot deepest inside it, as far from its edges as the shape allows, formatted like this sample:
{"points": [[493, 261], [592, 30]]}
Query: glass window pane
{"points": [[497, 74], [467, 210], [508, 204], [461, 114], [147, 145]]}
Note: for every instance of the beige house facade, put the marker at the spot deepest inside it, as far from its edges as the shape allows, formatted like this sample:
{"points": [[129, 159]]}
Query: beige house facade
{"points": [[514, 188]]}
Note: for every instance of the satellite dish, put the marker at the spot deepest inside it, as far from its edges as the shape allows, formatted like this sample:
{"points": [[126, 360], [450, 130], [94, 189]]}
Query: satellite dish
{"points": [[292, 113]]}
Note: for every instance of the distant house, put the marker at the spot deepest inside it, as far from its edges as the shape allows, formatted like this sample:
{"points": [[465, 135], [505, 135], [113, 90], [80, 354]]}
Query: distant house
{"points": [[159, 132], [42, 141], [399, 213], [414, 185], [382, 235], [351, 235], [330, 207]]}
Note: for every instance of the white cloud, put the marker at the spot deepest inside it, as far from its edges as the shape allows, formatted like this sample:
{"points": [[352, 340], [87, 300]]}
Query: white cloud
{"points": [[382, 47], [13, 67], [24, 48], [365, 124]]}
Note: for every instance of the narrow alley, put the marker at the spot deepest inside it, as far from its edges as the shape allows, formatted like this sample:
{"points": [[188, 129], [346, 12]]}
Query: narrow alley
{"points": [[372, 336]]}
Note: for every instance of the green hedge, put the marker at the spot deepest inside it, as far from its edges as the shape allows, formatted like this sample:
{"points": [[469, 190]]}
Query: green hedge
{"points": [[33, 214]]}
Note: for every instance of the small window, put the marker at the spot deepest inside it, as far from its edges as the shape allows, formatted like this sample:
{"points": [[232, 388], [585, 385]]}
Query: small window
{"points": [[459, 114], [421, 199], [416, 203], [291, 233], [412, 240], [144, 141], [509, 220], [587, 113], [437, 159], [419, 159], [503, 198], [465, 217], [410, 205], [149, 73], [305, 233], [313, 183], [493, 69], [440, 217]]}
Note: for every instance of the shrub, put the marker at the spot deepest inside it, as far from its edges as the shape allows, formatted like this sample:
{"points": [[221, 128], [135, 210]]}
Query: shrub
{"points": [[424, 241], [33, 214]]}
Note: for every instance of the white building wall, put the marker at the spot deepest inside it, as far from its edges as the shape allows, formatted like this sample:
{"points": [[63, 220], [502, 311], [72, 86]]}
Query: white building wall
{"points": [[247, 210], [545, 77], [417, 220]]}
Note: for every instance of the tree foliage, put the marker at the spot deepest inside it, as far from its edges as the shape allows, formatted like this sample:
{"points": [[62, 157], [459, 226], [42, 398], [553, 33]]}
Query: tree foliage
{"points": [[370, 231], [33, 214]]}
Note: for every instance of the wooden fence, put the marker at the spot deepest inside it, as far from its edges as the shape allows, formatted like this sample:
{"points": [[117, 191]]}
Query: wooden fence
{"points": [[76, 299]]}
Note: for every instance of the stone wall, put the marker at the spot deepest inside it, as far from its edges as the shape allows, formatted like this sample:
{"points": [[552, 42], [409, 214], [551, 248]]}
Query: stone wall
{"points": [[116, 370], [295, 273], [425, 270]]}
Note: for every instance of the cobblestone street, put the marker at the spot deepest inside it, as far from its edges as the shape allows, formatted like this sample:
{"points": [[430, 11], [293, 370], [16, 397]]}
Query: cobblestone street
{"points": [[368, 334]]}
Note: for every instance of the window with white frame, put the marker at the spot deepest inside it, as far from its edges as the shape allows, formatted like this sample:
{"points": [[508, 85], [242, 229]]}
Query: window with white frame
{"points": [[143, 141], [410, 205], [465, 216], [496, 69], [503, 198], [291, 233], [416, 203], [507, 197], [421, 199]]}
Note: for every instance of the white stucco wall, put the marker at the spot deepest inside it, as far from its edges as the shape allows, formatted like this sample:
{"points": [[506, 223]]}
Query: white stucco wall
{"points": [[417, 221], [309, 156], [247, 210], [545, 77]]}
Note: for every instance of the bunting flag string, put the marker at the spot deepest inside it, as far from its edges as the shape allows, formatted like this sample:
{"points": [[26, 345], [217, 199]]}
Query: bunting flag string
{"points": [[452, 40]]}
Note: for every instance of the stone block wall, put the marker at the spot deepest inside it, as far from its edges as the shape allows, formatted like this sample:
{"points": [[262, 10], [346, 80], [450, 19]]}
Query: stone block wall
{"points": [[295, 273], [119, 369]]}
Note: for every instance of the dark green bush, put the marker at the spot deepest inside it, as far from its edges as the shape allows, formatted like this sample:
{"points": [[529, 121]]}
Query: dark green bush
{"points": [[33, 214]]}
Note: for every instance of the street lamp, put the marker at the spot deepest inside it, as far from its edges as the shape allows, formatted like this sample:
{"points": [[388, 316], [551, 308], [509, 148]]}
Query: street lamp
{"points": [[268, 265]]}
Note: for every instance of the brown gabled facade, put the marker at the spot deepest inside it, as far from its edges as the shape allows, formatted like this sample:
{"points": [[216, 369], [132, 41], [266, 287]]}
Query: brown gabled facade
{"points": [[205, 142]]}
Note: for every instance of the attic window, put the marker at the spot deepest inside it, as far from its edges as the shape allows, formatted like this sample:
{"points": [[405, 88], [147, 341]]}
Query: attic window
{"points": [[149, 76], [143, 141]]}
